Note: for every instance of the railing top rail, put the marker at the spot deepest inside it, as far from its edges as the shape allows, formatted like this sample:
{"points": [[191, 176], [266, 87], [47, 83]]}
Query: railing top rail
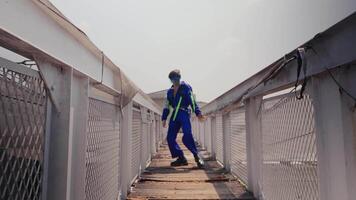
{"points": [[327, 50]]}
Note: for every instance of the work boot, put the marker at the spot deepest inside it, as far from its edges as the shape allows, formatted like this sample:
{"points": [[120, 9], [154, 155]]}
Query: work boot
{"points": [[199, 161], [181, 161]]}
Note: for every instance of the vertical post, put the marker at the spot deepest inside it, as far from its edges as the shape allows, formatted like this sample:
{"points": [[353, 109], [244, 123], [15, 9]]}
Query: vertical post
{"points": [[254, 144], [59, 81], [227, 141], [125, 153], [78, 140], [335, 131], [66, 132], [213, 137]]}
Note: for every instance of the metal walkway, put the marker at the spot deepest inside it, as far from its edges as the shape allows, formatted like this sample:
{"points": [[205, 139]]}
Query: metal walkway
{"points": [[74, 127], [160, 181]]}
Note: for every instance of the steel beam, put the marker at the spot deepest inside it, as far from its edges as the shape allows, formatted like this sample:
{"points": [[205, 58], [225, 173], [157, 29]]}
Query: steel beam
{"points": [[332, 48]]}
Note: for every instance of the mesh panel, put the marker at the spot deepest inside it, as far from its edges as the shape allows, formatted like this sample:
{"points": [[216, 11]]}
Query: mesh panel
{"points": [[289, 168], [145, 143], [102, 154], [238, 144], [136, 143], [22, 127], [219, 138], [207, 135]]}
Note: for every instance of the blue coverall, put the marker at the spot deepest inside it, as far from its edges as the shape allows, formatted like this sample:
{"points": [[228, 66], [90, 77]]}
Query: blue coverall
{"points": [[182, 120]]}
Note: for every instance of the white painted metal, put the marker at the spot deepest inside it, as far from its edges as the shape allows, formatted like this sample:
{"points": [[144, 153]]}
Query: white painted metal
{"points": [[238, 144], [213, 137], [254, 145], [227, 141], [335, 131], [61, 130], [334, 48], [102, 152], [219, 138], [126, 152], [289, 161], [136, 143]]}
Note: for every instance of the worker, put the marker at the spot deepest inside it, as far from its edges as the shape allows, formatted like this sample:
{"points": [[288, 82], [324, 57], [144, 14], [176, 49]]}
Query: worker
{"points": [[179, 97]]}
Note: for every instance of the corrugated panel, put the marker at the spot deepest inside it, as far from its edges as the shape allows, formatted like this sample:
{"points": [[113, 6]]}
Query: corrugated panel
{"points": [[103, 152], [289, 169], [23, 103], [136, 143], [238, 144], [219, 138]]}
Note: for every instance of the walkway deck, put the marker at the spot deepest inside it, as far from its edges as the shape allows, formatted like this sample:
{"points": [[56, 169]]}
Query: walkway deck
{"points": [[160, 181]]}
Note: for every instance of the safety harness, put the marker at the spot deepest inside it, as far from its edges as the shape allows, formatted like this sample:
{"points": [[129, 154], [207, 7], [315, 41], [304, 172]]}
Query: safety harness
{"points": [[180, 101]]}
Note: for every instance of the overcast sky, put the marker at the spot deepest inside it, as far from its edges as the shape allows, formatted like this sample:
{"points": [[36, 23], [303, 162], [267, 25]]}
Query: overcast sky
{"points": [[216, 43]]}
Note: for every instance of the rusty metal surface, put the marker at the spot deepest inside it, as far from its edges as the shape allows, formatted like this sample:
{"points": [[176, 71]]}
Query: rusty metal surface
{"points": [[160, 181]]}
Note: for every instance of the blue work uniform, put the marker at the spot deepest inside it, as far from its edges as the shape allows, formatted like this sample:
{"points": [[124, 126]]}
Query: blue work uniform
{"points": [[180, 118]]}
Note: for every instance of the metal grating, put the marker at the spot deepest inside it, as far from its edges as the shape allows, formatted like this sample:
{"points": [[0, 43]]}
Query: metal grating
{"points": [[136, 143], [238, 144], [22, 127], [102, 154], [219, 138], [289, 169]]}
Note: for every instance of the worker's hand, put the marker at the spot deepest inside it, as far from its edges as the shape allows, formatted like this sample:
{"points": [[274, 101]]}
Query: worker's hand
{"points": [[201, 118], [164, 124]]}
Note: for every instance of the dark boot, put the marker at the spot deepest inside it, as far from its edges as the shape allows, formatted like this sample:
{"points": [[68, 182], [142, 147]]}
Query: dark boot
{"points": [[199, 161], [181, 161]]}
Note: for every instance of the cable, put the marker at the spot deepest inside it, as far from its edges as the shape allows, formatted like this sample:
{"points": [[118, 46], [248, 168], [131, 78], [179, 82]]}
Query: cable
{"points": [[341, 88]]}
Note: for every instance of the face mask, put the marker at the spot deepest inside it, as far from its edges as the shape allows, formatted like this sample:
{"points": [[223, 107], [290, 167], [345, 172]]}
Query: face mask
{"points": [[175, 81]]}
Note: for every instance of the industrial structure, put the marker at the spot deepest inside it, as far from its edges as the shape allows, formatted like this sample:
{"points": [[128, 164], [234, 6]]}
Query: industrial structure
{"points": [[74, 126]]}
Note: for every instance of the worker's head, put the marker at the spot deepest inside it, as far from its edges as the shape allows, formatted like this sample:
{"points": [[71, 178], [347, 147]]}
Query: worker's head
{"points": [[174, 76]]}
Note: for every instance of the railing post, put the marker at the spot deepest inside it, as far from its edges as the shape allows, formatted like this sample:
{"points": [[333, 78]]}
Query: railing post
{"points": [[335, 134], [59, 82], [213, 137], [227, 141], [125, 151], [254, 144], [78, 142]]}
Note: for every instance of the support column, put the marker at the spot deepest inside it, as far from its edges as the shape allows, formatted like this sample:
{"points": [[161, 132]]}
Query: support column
{"points": [[66, 140], [78, 140], [254, 144], [125, 167], [335, 134], [227, 141], [59, 81]]}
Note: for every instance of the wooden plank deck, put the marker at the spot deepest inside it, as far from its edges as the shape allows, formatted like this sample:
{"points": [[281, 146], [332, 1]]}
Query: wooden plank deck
{"points": [[161, 181]]}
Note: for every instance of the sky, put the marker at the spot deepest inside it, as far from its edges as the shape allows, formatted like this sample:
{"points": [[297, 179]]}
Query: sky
{"points": [[215, 43]]}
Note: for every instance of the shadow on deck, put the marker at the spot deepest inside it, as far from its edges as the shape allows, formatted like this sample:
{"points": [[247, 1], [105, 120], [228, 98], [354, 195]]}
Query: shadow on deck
{"points": [[160, 181]]}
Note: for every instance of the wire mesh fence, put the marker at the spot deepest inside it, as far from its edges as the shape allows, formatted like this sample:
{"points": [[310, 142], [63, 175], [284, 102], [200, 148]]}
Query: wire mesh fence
{"points": [[238, 144], [136, 142], [289, 166], [103, 152], [22, 127], [219, 147]]}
